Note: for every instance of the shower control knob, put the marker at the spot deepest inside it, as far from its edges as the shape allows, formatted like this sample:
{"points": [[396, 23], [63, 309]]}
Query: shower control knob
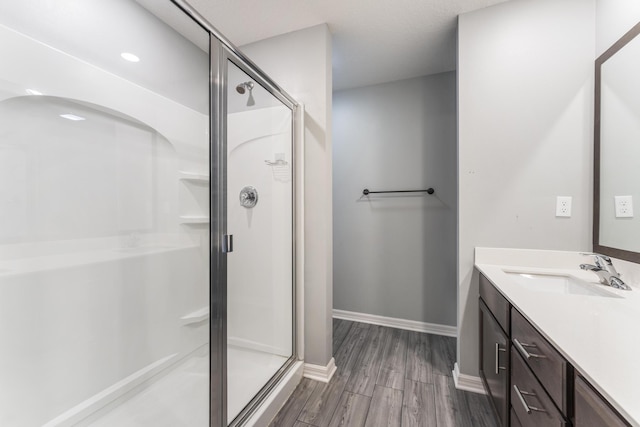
{"points": [[248, 197]]}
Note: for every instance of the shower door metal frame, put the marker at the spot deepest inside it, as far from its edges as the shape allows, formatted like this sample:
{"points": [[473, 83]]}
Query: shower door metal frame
{"points": [[222, 51], [218, 264], [219, 63]]}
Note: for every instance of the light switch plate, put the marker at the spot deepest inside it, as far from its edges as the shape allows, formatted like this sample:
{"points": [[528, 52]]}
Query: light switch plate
{"points": [[624, 206], [563, 206]]}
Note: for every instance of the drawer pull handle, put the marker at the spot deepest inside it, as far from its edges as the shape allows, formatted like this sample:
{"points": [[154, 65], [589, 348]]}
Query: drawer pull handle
{"points": [[527, 407], [498, 367], [521, 348]]}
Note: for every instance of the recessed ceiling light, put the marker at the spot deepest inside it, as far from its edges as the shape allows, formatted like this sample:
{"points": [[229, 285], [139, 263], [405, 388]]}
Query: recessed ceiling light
{"points": [[129, 57], [72, 117], [33, 92]]}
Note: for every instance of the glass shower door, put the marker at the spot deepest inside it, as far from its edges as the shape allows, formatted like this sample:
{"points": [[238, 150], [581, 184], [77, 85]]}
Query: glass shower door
{"points": [[104, 215], [260, 218]]}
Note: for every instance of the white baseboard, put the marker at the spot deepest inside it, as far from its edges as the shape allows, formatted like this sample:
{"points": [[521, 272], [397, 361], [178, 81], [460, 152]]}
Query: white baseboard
{"points": [[467, 382], [392, 322], [319, 372]]}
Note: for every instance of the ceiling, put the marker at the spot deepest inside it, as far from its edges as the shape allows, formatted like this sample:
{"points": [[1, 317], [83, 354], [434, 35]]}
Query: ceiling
{"points": [[374, 41]]}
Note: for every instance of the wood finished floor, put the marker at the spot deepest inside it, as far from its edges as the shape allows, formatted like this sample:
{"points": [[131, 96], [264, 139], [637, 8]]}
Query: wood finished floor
{"points": [[386, 377]]}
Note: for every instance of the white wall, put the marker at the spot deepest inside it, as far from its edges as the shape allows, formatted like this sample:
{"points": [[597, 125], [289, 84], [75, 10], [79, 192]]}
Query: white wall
{"points": [[525, 95], [395, 255], [301, 63]]}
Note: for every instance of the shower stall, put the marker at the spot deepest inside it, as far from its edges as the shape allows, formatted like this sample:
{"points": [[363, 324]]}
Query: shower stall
{"points": [[148, 204]]}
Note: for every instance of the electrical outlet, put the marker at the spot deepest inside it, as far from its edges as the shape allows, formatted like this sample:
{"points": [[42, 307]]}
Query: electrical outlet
{"points": [[624, 206], [563, 206]]}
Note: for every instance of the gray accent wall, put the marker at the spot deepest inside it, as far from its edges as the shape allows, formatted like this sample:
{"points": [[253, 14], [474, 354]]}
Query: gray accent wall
{"points": [[395, 255]]}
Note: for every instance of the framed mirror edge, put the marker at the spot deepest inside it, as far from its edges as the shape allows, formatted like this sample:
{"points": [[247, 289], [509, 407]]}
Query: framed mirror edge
{"points": [[617, 253], [606, 250]]}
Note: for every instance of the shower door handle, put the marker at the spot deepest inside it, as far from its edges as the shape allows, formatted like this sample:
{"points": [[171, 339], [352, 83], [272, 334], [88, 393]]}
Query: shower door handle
{"points": [[227, 243]]}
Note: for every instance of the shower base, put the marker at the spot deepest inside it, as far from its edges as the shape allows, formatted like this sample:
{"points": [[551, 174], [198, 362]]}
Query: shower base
{"points": [[181, 397], [248, 371]]}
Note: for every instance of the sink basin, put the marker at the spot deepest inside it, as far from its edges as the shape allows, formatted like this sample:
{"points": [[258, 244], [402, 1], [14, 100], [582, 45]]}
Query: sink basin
{"points": [[556, 284]]}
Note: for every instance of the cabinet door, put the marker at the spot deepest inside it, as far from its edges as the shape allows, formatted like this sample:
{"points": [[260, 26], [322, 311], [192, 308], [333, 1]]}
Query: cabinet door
{"points": [[494, 363], [515, 422], [591, 410]]}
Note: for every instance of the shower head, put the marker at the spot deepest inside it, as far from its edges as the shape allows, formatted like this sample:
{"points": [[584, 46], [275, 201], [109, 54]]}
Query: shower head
{"points": [[242, 87]]}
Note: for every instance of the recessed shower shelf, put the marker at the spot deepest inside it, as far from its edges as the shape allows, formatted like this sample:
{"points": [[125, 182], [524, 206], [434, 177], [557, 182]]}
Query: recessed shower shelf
{"points": [[194, 177], [195, 317], [194, 219]]}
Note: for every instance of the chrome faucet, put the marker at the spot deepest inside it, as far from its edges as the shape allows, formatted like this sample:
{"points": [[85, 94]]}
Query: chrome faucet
{"points": [[605, 270]]}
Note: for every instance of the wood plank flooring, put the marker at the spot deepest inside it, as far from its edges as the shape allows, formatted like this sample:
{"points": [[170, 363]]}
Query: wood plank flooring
{"points": [[386, 377]]}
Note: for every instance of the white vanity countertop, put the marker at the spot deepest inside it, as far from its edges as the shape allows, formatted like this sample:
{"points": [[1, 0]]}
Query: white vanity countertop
{"points": [[600, 336]]}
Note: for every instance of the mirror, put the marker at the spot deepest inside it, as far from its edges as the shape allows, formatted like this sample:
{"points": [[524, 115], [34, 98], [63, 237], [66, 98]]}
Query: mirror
{"points": [[616, 220]]}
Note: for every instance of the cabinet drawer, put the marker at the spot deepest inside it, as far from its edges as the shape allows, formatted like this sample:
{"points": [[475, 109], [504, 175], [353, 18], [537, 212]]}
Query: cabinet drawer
{"points": [[591, 410], [498, 305], [532, 405], [546, 363]]}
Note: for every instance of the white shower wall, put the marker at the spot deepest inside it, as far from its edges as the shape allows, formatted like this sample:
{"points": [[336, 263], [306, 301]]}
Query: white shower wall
{"points": [[260, 269], [98, 275]]}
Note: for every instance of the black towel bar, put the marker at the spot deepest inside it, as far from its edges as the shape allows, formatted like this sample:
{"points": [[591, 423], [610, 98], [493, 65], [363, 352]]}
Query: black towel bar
{"points": [[366, 191]]}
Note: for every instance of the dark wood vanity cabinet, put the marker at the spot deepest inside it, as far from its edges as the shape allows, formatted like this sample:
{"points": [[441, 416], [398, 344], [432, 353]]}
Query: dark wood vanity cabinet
{"points": [[591, 410], [494, 348], [529, 382], [525, 377]]}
